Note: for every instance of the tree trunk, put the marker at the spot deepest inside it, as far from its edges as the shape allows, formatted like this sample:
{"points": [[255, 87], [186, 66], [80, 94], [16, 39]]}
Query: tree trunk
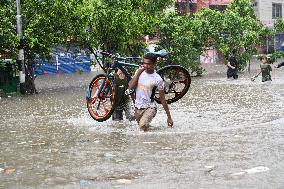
{"points": [[29, 85]]}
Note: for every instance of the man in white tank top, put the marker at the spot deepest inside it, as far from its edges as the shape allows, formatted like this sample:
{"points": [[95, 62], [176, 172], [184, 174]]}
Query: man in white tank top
{"points": [[144, 80]]}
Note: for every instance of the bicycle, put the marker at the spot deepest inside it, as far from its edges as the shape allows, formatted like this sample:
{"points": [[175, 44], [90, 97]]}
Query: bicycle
{"points": [[100, 94]]}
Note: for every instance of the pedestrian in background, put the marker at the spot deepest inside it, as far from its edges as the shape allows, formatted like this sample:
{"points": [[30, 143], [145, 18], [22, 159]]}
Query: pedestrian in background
{"points": [[233, 65], [265, 70]]}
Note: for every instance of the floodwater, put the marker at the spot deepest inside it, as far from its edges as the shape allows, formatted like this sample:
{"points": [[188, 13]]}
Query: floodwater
{"points": [[226, 134]]}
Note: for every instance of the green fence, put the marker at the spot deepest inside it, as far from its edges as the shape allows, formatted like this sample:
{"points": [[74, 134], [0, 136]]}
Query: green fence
{"points": [[9, 81]]}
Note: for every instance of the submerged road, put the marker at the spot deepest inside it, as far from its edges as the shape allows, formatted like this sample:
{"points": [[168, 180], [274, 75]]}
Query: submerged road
{"points": [[226, 134]]}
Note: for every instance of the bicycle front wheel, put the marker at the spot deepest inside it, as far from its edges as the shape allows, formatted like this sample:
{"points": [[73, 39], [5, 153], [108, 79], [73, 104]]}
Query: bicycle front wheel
{"points": [[102, 98], [177, 81]]}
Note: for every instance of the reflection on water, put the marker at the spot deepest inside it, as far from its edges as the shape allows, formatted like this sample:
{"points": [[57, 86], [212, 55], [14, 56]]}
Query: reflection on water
{"points": [[222, 127]]}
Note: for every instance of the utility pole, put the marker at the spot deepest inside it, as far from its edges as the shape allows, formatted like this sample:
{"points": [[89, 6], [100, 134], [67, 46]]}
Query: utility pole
{"points": [[20, 60]]}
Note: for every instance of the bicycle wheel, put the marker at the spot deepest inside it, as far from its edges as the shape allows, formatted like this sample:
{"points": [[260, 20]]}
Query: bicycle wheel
{"points": [[177, 82], [101, 98]]}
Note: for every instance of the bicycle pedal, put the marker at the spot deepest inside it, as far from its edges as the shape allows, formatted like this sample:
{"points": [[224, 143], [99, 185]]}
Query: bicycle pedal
{"points": [[128, 92]]}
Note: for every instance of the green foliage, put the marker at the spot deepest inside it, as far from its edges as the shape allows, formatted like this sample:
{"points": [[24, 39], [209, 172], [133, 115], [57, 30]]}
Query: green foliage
{"points": [[113, 25], [272, 58], [117, 25], [208, 25], [242, 8], [187, 37], [241, 30], [176, 34], [49, 23], [8, 36], [279, 25]]}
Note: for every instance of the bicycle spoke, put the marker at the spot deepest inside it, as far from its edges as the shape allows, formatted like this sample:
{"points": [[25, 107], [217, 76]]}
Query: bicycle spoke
{"points": [[177, 94], [102, 97], [93, 100], [177, 83], [99, 104], [182, 81], [175, 75], [105, 109]]}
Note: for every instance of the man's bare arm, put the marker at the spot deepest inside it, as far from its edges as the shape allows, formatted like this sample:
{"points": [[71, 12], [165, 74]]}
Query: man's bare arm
{"points": [[229, 64], [134, 81], [166, 107]]}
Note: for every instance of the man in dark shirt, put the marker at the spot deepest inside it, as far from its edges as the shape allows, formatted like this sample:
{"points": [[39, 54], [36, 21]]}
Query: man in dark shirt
{"points": [[232, 65], [123, 102]]}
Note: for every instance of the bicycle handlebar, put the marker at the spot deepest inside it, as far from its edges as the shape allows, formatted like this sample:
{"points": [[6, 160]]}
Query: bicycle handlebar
{"points": [[119, 57], [116, 58], [106, 53], [128, 58]]}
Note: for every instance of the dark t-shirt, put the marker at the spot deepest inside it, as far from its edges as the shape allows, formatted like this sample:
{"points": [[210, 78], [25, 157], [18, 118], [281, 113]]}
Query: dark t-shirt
{"points": [[120, 87], [232, 72], [265, 71], [233, 61]]}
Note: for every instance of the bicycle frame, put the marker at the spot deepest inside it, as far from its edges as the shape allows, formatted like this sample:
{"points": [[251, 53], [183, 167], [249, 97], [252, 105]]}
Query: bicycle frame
{"points": [[104, 88], [120, 65], [116, 63]]}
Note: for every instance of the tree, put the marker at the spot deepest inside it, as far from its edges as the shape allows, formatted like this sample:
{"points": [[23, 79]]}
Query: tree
{"points": [[279, 25], [117, 25], [114, 25], [177, 36], [8, 35], [242, 31], [236, 28]]}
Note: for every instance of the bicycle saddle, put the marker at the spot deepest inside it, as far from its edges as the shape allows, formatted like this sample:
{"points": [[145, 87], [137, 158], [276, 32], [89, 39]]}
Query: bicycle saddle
{"points": [[161, 53]]}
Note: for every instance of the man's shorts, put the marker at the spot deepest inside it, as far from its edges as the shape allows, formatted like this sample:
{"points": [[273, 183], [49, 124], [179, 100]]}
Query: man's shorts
{"points": [[266, 78], [144, 117]]}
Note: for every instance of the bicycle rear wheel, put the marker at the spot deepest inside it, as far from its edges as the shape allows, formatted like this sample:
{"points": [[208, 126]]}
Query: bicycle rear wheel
{"points": [[177, 82], [101, 98]]}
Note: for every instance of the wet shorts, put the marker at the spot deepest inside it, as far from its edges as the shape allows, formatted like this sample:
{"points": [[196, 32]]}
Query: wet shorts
{"points": [[144, 116]]}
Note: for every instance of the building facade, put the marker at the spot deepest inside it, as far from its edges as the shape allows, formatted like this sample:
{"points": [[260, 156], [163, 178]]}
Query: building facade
{"points": [[268, 11], [192, 6]]}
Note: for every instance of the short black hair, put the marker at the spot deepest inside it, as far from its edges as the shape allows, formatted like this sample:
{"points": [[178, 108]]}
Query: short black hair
{"points": [[265, 57], [151, 56]]}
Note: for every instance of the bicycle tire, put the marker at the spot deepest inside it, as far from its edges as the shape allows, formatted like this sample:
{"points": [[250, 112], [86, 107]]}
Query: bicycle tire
{"points": [[173, 75], [98, 111]]}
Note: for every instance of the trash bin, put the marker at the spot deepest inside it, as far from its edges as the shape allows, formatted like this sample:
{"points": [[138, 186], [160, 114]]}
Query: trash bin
{"points": [[9, 82]]}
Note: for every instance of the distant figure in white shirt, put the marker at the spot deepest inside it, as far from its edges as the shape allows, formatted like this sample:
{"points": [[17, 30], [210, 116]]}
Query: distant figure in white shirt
{"points": [[143, 82]]}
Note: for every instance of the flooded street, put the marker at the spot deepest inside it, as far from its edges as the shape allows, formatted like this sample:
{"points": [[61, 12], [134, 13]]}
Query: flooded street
{"points": [[226, 134]]}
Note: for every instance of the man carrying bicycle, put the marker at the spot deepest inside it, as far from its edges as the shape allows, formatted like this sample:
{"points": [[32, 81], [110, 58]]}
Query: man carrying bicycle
{"points": [[143, 82]]}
